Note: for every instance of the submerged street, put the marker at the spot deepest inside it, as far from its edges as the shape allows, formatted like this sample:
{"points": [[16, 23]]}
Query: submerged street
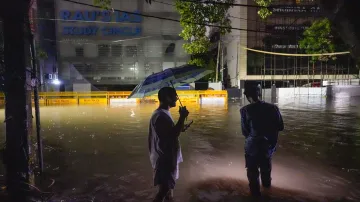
{"points": [[99, 153]]}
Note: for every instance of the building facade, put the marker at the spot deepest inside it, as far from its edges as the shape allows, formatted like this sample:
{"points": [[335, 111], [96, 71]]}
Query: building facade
{"points": [[281, 33], [112, 50], [45, 36], [115, 50], [43, 29]]}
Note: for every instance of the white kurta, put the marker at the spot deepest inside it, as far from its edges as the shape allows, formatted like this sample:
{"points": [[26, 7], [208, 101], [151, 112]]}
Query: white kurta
{"points": [[154, 140]]}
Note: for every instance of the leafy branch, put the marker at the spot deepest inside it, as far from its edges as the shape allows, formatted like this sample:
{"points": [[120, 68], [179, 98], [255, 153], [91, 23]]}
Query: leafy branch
{"points": [[318, 38], [104, 4], [264, 12], [193, 19]]}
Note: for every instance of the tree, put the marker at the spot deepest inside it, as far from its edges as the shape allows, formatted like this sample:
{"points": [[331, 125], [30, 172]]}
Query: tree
{"points": [[194, 18], [318, 38], [343, 17], [18, 118], [211, 64]]}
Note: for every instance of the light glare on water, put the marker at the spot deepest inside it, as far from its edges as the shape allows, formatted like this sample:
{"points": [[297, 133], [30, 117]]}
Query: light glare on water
{"points": [[101, 152]]}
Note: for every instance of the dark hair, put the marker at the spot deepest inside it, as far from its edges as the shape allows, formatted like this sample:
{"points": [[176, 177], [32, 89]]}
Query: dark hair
{"points": [[165, 92], [252, 91]]}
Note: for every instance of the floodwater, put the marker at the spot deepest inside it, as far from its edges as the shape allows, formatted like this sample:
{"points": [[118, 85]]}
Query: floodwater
{"points": [[99, 153]]}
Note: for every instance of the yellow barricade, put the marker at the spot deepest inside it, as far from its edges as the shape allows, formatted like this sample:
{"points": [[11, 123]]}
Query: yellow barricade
{"points": [[185, 96], [123, 100], [93, 101], [61, 101], [214, 93], [99, 97], [182, 99], [41, 101], [2, 100]]}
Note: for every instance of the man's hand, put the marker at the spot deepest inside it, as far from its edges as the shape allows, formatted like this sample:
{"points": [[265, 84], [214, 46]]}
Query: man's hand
{"points": [[184, 113]]}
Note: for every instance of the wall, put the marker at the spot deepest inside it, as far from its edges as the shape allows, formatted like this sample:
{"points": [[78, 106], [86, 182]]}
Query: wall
{"points": [[300, 92], [216, 86], [329, 91], [343, 91], [304, 102], [81, 87]]}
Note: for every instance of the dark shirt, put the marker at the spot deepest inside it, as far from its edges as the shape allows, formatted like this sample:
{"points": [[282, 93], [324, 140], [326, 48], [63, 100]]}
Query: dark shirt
{"points": [[260, 124]]}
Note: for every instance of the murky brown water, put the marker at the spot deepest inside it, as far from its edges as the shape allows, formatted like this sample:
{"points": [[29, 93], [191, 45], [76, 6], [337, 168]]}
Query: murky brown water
{"points": [[99, 153]]}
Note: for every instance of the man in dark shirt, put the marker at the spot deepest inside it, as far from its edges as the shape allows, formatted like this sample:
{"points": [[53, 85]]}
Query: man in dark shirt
{"points": [[164, 145], [260, 123]]}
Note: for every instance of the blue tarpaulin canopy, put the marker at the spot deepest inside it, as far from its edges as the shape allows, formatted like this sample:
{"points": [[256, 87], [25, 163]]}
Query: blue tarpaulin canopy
{"points": [[173, 77]]}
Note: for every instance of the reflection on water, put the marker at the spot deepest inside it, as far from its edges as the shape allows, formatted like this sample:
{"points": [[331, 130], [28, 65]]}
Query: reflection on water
{"points": [[101, 152]]}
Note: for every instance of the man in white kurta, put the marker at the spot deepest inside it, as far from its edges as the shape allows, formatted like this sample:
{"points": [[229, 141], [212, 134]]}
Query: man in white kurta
{"points": [[164, 145]]}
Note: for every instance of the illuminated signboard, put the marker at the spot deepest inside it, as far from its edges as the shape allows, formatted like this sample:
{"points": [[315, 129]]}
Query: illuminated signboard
{"points": [[101, 16], [283, 46], [287, 28], [295, 9]]}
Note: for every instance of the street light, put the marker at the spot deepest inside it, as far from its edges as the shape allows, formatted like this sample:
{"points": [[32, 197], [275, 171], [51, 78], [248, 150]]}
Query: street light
{"points": [[56, 82]]}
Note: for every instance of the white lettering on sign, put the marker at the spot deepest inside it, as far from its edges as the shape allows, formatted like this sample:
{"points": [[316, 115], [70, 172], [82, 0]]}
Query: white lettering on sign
{"points": [[279, 46]]}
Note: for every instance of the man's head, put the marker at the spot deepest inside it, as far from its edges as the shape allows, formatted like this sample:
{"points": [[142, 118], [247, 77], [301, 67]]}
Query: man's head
{"points": [[167, 96], [252, 93]]}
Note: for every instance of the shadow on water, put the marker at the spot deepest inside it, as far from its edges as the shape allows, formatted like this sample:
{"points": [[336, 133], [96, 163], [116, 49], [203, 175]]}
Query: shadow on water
{"points": [[55, 165], [232, 190]]}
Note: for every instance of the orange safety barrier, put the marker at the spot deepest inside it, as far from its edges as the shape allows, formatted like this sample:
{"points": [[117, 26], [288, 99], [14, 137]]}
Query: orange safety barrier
{"points": [[100, 97]]}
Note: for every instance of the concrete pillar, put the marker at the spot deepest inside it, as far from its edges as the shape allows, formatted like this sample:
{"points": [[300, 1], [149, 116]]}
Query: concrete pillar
{"points": [[232, 42], [242, 53], [64, 71], [273, 93], [329, 91]]}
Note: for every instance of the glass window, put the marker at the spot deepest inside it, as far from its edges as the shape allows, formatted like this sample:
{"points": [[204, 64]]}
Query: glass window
{"points": [[116, 50], [131, 51], [102, 67], [170, 49], [89, 68], [155, 68], [79, 51], [79, 67], [104, 50]]}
